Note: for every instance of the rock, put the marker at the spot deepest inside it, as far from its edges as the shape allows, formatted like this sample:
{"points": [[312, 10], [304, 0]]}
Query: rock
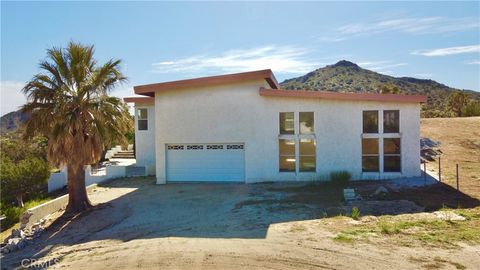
{"points": [[16, 233], [381, 190], [12, 244], [368, 219], [25, 217], [349, 194], [22, 244], [448, 215]]}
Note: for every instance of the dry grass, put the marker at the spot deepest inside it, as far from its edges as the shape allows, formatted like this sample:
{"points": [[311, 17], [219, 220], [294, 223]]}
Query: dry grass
{"points": [[460, 143], [415, 230]]}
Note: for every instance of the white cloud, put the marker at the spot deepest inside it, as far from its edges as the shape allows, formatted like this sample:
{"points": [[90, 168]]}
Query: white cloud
{"points": [[448, 51], [426, 25], [282, 59], [381, 66], [473, 62], [11, 96], [423, 75]]}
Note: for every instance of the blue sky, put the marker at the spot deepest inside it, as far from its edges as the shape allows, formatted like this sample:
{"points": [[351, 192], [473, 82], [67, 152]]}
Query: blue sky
{"points": [[169, 41]]}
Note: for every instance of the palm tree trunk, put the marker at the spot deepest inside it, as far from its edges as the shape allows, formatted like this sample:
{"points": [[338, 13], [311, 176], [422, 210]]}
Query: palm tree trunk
{"points": [[77, 193]]}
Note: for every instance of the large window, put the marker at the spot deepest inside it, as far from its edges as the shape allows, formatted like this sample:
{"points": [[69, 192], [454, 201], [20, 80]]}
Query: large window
{"points": [[391, 155], [370, 121], [370, 156], [142, 117], [306, 123], [391, 121], [287, 155], [307, 155], [297, 146], [287, 123]]}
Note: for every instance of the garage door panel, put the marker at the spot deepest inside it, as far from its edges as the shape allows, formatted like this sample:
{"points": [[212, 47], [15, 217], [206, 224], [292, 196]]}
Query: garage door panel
{"points": [[209, 162]]}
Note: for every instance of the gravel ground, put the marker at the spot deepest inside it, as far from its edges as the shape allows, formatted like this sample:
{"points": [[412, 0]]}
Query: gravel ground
{"points": [[140, 225]]}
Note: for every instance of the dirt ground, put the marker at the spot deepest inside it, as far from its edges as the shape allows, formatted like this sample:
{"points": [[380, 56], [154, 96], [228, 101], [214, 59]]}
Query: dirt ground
{"points": [[140, 225], [460, 144]]}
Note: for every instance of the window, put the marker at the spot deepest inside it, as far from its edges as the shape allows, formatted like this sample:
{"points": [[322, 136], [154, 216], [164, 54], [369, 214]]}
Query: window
{"points": [[370, 156], [307, 155], [391, 121], [370, 121], [287, 123], [142, 116], [306, 124], [287, 155], [391, 155]]}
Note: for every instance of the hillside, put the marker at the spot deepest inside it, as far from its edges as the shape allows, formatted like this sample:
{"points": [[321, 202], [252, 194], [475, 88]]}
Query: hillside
{"points": [[346, 76], [459, 143], [11, 121]]}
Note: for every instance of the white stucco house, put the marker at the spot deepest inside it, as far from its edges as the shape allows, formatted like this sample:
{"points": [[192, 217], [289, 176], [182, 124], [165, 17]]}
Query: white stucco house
{"points": [[243, 128]]}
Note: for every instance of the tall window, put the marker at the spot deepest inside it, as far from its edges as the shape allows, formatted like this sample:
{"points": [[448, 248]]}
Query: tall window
{"points": [[287, 123], [306, 123], [307, 155], [142, 117], [391, 121], [370, 156], [287, 155], [370, 121], [297, 147], [391, 155]]}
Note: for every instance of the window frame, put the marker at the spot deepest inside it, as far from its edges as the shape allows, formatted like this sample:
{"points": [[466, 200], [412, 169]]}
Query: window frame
{"points": [[399, 154], [299, 123], [378, 121], [397, 121], [280, 155], [371, 155], [280, 123], [296, 137], [300, 155], [141, 118]]}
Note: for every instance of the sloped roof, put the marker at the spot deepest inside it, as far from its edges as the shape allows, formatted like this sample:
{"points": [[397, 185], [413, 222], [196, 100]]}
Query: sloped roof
{"points": [[150, 89]]}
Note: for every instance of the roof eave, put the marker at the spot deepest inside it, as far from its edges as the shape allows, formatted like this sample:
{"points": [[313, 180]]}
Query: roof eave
{"points": [[150, 89], [343, 96]]}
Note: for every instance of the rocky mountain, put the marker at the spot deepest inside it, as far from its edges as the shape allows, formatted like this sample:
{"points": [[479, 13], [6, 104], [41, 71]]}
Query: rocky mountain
{"points": [[12, 120], [346, 76]]}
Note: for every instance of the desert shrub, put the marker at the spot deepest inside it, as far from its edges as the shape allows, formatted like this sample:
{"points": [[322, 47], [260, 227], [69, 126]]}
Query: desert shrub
{"points": [[12, 216], [340, 178], [12, 213], [355, 213], [23, 178]]}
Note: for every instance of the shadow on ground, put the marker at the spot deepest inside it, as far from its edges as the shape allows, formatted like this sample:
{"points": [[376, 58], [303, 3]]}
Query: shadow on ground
{"points": [[140, 209]]}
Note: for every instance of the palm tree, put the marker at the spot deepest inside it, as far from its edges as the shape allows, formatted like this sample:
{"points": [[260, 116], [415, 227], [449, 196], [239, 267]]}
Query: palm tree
{"points": [[69, 104]]}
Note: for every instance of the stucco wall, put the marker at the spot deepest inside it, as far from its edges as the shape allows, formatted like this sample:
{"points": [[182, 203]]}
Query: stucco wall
{"points": [[145, 140], [238, 114]]}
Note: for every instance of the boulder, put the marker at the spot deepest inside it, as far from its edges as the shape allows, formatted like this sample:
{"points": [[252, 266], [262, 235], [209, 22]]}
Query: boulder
{"points": [[17, 233], [448, 215], [381, 190]]}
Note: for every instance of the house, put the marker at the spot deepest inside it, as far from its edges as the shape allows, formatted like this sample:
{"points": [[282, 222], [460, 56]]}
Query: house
{"points": [[243, 128]]}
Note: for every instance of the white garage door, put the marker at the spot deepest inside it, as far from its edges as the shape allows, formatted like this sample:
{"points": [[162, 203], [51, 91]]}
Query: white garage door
{"points": [[205, 162]]}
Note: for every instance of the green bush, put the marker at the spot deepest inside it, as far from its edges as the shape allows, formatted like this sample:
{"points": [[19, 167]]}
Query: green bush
{"points": [[340, 178], [23, 177], [355, 213], [12, 216], [13, 213]]}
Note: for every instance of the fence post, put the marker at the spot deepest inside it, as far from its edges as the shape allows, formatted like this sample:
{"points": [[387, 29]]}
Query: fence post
{"points": [[425, 172], [457, 178], [439, 169]]}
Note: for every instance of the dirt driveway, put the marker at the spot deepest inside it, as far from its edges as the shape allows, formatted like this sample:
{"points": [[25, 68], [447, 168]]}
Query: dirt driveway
{"points": [[215, 226]]}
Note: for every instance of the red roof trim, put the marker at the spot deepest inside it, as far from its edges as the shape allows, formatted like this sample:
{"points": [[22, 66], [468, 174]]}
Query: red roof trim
{"points": [[142, 100], [150, 89], [342, 96]]}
